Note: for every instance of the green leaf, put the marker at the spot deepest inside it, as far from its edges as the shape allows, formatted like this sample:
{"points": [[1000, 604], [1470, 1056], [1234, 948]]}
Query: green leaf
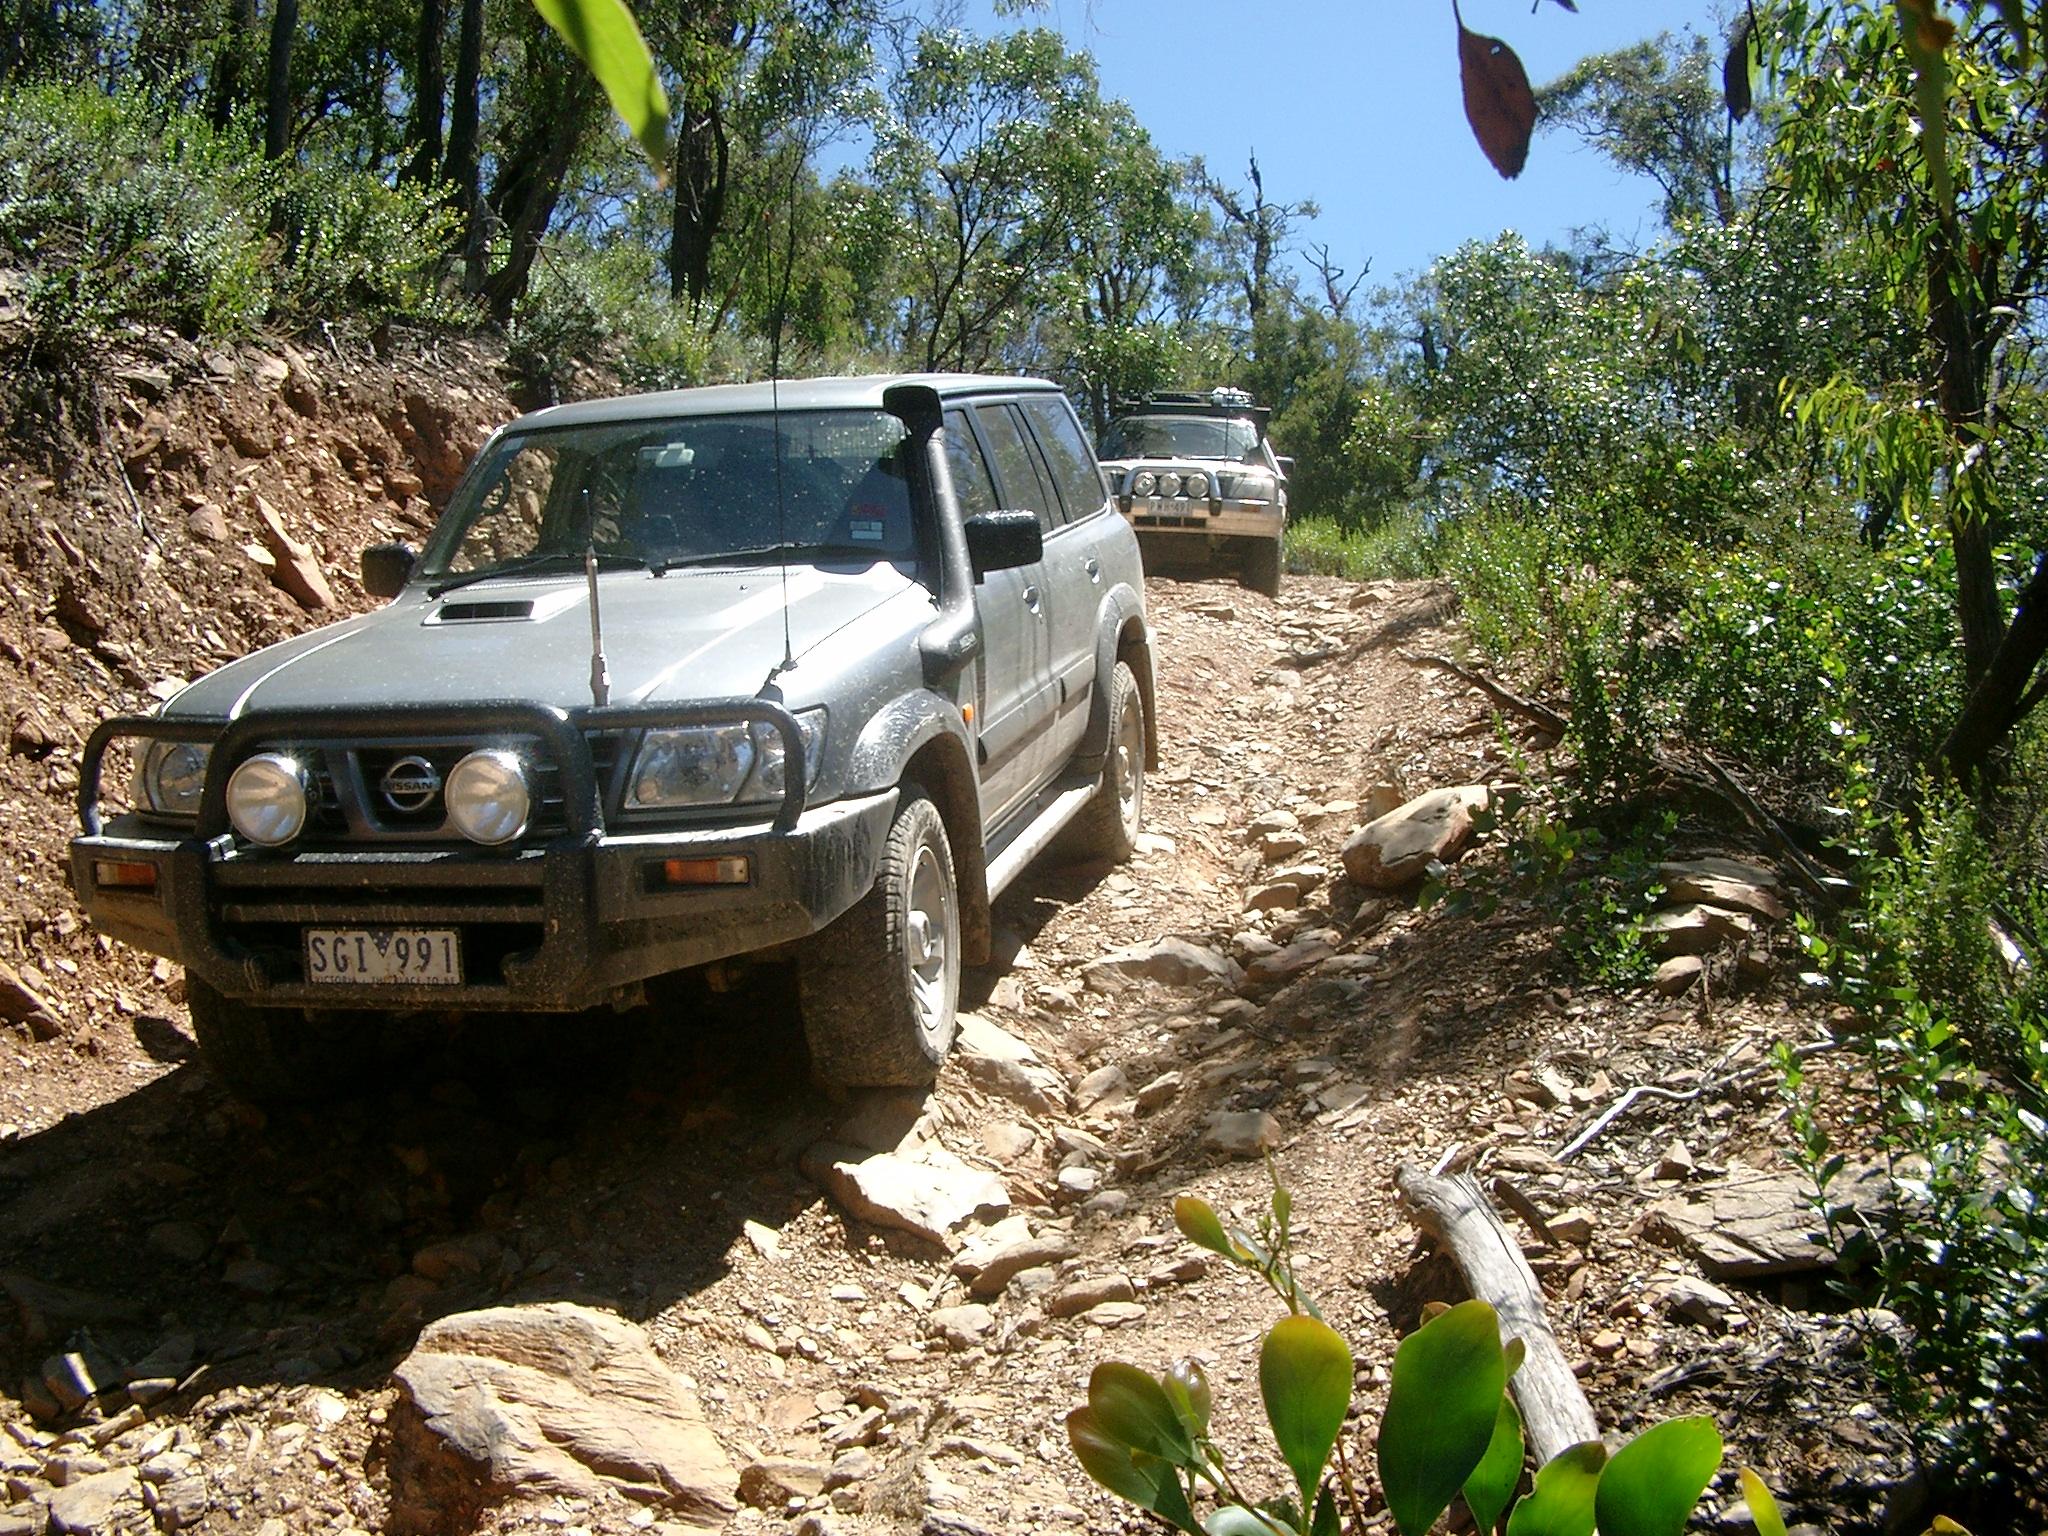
{"points": [[1328, 1522], [1561, 1503], [605, 36], [2014, 14], [1145, 1480], [1441, 1411], [1106, 1459], [1515, 1352], [1928, 34], [1492, 1482], [1652, 1483], [1200, 1225], [1763, 1508], [1305, 1379], [1187, 1388], [1133, 1407]]}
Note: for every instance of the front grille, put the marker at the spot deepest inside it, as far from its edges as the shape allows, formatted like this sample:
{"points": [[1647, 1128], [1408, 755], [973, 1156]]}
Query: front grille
{"points": [[374, 793]]}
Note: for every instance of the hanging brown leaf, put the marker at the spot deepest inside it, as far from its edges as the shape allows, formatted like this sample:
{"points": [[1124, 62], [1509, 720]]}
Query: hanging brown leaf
{"points": [[1498, 102], [1735, 72]]}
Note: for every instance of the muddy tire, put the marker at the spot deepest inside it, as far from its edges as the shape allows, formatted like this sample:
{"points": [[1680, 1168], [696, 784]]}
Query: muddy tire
{"points": [[1262, 564], [1108, 828], [880, 987], [280, 1055]]}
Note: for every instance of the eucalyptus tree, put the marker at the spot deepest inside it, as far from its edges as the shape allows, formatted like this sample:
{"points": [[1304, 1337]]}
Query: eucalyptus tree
{"points": [[1654, 109], [990, 151]]}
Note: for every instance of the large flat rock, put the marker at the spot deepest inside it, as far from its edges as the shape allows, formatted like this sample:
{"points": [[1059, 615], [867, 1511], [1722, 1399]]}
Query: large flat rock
{"points": [[1007, 1067], [1757, 1223], [546, 1400], [1395, 850], [931, 1194]]}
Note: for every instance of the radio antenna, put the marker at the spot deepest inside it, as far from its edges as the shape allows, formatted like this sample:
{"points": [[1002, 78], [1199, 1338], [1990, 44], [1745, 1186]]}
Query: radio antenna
{"points": [[802, 153], [600, 674]]}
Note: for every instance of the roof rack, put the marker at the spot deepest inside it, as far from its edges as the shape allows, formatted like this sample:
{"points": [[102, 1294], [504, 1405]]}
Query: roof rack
{"points": [[1222, 401]]}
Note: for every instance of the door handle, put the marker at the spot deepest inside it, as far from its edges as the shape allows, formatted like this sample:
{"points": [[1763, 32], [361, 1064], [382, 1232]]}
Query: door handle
{"points": [[1093, 567], [1031, 598]]}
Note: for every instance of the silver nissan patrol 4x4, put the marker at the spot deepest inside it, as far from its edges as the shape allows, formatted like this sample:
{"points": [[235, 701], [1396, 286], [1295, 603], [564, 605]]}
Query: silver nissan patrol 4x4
{"points": [[805, 673]]}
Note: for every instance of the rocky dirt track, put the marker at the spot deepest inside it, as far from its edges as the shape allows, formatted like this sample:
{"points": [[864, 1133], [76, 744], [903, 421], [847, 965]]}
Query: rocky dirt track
{"points": [[207, 1304]]}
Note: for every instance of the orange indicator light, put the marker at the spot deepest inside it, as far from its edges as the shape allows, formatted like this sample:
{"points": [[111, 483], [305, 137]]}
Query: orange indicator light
{"points": [[130, 877], [730, 870]]}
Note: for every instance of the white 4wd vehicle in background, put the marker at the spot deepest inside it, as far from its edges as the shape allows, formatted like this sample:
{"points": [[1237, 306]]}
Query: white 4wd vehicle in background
{"points": [[1196, 476]]}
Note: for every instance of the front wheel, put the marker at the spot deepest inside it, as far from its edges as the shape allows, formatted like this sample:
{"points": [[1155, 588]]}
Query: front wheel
{"points": [[279, 1055], [1108, 827], [880, 986], [1262, 563]]}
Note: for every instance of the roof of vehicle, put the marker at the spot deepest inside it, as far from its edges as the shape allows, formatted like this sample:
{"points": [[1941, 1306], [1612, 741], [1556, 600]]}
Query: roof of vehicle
{"points": [[834, 394]]}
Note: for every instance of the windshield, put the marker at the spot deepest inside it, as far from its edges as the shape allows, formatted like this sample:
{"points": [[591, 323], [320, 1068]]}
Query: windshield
{"points": [[1179, 437], [689, 490]]}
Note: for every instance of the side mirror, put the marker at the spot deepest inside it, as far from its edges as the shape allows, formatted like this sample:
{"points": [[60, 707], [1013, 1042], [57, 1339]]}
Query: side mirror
{"points": [[1001, 541], [386, 567], [1286, 468]]}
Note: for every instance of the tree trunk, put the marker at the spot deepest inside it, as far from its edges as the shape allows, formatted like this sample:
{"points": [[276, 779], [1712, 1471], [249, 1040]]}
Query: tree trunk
{"points": [[429, 93], [2008, 690], [459, 170], [224, 91], [530, 178], [702, 161], [1961, 330], [277, 94]]}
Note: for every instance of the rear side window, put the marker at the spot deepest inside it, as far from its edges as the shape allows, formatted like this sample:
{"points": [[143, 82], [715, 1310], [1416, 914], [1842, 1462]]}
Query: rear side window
{"points": [[972, 484], [1066, 451], [1024, 488]]}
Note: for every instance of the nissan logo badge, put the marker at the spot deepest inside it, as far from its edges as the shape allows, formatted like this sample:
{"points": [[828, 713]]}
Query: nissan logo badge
{"points": [[410, 784]]}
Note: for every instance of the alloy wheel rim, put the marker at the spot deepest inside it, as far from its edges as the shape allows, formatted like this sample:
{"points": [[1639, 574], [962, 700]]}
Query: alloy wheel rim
{"points": [[1130, 764], [929, 933]]}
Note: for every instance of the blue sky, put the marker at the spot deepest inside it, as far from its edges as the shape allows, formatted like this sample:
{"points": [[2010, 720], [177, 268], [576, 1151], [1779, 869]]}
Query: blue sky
{"points": [[1355, 104]]}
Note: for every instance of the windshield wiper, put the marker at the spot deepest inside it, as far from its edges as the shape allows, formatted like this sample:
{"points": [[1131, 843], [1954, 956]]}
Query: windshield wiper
{"points": [[761, 552], [527, 563]]}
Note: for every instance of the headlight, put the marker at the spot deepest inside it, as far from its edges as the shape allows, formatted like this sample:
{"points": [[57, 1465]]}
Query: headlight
{"points": [[489, 798], [1250, 488], [1196, 485], [267, 799], [720, 764], [1143, 483], [170, 776], [702, 765], [1169, 485], [768, 782]]}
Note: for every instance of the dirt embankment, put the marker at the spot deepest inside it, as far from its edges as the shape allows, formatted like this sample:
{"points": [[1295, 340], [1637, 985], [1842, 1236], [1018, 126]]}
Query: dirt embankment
{"points": [[254, 1280]]}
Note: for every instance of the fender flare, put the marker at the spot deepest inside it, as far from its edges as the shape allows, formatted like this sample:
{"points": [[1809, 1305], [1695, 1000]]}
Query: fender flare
{"points": [[922, 735], [1121, 634]]}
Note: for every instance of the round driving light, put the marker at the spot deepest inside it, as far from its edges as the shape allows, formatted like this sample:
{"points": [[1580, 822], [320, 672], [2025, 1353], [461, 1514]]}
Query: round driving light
{"points": [[488, 797], [1169, 485], [267, 799], [1197, 485], [1144, 482]]}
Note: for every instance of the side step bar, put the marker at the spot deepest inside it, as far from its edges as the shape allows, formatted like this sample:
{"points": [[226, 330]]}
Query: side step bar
{"points": [[1031, 841]]}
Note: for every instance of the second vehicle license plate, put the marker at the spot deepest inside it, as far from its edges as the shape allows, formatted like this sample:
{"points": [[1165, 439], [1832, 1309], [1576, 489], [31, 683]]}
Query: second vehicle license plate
{"points": [[428, 956]]}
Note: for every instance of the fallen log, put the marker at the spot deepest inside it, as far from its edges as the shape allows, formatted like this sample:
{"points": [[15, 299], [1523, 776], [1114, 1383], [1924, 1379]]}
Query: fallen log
{"points": [[1455, 1211], [1544, 716]]}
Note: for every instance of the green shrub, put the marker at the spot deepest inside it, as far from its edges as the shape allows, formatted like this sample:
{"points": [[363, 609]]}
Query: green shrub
{"points": [[601, 308], [1402, 548], [1955, 1046], [123, 208]]}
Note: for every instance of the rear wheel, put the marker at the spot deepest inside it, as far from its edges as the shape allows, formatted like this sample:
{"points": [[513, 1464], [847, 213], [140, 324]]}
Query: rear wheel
{"points": [[1108, 828], [280, 1055], [880, 986], [1262, 564]]}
